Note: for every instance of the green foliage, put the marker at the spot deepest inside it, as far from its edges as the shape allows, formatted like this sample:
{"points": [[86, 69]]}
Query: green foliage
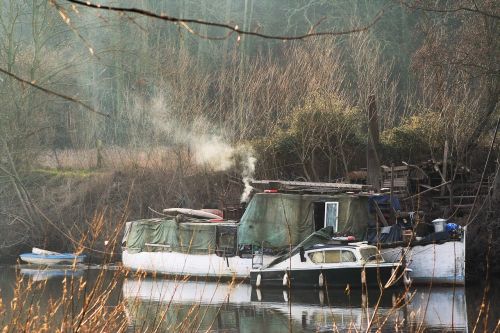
{"points": [[322, 136], [62, 173], [415, 138]]}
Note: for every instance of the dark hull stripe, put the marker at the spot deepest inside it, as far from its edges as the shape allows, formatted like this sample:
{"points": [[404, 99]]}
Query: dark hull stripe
{"points": [[333, 278]]}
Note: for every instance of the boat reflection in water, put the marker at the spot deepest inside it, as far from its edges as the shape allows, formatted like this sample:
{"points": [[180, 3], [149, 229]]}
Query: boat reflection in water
{"points": [[187, 306], [46, 273]]}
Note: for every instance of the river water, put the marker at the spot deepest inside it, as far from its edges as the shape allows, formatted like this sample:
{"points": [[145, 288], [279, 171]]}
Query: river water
{"points": [[163, 305]]}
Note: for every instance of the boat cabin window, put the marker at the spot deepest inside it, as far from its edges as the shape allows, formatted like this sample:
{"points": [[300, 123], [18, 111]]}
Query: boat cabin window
{"points": [[226, 240], [326, 214], [317, 257], [332, 256], [371, 254], [348, 256]]}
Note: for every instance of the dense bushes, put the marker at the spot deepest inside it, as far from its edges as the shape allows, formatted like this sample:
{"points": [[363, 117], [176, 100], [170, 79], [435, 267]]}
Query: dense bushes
{"points": [[321, 140], [415, 139]]}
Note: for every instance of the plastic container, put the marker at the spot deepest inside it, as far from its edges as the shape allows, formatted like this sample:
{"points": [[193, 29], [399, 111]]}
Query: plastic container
{"points": [[439, 225]]}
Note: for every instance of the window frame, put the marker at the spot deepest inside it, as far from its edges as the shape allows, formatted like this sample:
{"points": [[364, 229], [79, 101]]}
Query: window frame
{"points": [[323, 255], [325, 221]]}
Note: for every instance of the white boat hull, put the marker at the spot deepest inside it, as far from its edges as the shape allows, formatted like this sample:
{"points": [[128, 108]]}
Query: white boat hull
{"points": [[49, 260], [432, 263], [175, 263]]}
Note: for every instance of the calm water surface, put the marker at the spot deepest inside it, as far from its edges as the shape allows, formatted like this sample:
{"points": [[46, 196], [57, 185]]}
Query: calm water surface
{"points": [[188, 306]]}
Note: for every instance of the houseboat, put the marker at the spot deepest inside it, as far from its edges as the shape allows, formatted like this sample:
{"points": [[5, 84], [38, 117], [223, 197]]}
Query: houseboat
{"points": [[273, 223], [281, 215]]}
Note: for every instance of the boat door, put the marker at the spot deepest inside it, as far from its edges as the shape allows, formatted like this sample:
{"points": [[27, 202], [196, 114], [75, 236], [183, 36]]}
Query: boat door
{"points": [[326, 214]]}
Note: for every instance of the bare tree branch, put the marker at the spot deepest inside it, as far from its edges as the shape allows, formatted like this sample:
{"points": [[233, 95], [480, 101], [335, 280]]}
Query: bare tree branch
{"points": [[232, 28], [476, 9], [51, 92]]}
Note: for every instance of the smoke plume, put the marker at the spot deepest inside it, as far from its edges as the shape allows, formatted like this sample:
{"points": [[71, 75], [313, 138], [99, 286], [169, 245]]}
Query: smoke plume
{"points": [[207, 145], [247, 175]]}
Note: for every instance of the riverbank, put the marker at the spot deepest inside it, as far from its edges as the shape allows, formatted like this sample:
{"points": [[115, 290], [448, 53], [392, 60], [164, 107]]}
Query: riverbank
{"points": [[71, 208]]}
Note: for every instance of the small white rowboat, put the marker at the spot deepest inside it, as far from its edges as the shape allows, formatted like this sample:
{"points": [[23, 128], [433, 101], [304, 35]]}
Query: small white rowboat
{"points": [[43, 257]]}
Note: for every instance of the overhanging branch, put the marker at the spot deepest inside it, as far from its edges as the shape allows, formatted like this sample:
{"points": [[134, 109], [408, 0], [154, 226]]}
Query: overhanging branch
{"points": [[475, 10], [231, 28], [51, 92]]}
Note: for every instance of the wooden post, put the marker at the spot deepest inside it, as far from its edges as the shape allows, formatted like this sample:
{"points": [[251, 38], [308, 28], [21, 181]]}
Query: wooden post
{"points": [[392, 181], [445, 166], [372, 158], [379, 214], [99, 158], [393, 211]]}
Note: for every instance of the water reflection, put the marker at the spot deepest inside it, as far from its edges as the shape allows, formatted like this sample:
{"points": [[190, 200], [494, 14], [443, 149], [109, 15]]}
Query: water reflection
{"points": [[55, 295], [198, 306], [45, 273], [169, 305]]}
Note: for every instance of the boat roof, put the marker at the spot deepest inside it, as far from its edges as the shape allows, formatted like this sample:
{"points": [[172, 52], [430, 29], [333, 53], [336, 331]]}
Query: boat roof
{"points": [[189, 221], [336, 246], [310, 187], [52, 256]]}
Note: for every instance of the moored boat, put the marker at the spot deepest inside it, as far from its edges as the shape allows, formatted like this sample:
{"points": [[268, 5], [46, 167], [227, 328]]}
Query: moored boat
{"points": [[280, 216], [351, 265], [190, 247], [48, 258], [440, 263]]}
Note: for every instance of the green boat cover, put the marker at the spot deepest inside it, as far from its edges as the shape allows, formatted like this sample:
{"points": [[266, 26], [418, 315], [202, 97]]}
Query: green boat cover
{"points": [[188, 237], [277, 221], [281, 220]]}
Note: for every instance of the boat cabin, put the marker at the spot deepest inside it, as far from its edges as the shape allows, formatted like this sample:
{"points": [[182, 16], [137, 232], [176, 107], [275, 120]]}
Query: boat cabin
{"points": [[342, 254], [327, 265], [277, 220]]}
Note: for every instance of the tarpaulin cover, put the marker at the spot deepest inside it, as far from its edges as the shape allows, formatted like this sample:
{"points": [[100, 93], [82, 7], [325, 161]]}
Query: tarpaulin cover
{"points": [[181, 237], [195, 237], [281, 219], [384, 200], [390, 234]]}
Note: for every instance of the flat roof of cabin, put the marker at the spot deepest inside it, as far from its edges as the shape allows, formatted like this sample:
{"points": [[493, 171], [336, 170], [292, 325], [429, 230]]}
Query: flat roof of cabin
{"points": [[335, 246]]}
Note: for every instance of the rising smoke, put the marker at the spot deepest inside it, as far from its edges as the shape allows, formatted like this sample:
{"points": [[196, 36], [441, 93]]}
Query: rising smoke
{"points": [[247, 174], [207, 146], [221, 156]]}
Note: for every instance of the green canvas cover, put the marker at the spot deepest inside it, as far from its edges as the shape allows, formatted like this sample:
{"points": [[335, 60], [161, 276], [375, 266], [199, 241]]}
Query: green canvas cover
{"points": [[186, 237], [196, 237], [279, 220], [153, 231]]}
